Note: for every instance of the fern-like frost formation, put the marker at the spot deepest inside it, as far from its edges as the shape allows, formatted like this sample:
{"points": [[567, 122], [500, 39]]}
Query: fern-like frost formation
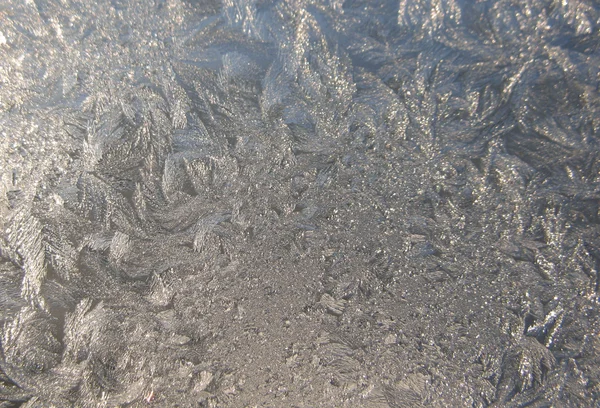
{"points": [[299, 203]]}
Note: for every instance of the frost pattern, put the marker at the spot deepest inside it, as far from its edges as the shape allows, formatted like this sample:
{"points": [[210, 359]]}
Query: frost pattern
{"points": [[312, 203]]}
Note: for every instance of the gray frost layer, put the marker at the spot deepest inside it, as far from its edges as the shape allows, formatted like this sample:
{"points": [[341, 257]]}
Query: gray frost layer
{"points": [[299, 203]]}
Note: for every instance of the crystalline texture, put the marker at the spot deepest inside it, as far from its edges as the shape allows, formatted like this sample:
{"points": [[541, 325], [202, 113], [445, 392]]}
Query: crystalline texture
{"points": [[299, 203]]}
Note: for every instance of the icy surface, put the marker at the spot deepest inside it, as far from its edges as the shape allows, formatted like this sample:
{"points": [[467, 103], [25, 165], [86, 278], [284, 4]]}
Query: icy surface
{"points": [[299, 203]]}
